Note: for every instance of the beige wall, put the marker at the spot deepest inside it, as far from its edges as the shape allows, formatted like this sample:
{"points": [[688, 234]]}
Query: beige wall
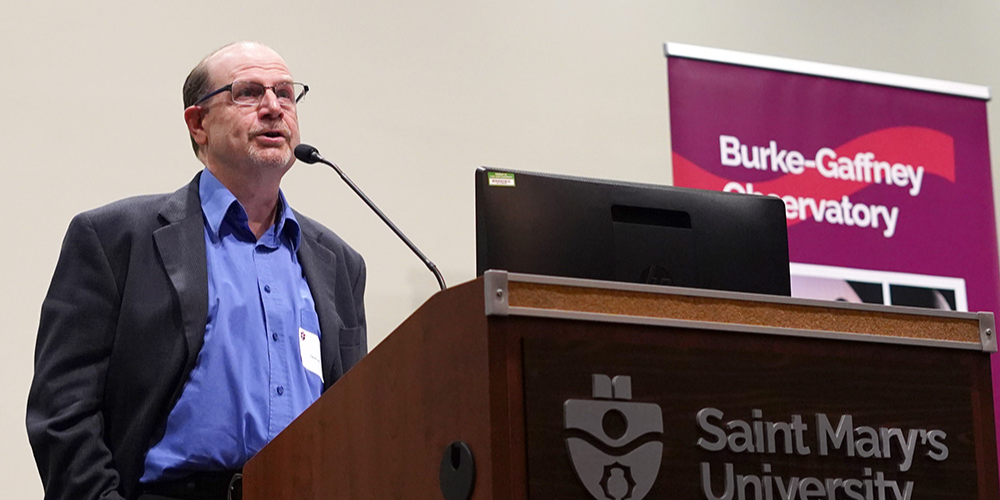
{"points": [[407, 98]]}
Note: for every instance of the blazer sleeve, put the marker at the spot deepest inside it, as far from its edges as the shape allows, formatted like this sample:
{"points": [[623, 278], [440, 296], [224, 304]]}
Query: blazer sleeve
{"points": [[72, 352]]}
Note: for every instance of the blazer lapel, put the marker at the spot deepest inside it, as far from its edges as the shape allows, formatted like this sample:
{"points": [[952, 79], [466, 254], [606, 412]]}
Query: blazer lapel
{"points": [[319, 265], [181, 245]]}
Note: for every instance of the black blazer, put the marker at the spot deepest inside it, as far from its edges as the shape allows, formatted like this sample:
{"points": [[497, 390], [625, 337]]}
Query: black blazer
{"points": [[123, 323]]}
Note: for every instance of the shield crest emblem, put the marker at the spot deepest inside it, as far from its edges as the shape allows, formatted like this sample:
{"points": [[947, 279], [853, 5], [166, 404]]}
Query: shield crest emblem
{"points": [[614, 443]]}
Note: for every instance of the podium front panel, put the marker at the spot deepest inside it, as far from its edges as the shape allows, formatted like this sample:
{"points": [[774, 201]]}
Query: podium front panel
{"points": [[729, 415]]}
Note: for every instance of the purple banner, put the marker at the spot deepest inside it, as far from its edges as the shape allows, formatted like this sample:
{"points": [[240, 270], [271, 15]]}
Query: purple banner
{"points": [[887, 190]]}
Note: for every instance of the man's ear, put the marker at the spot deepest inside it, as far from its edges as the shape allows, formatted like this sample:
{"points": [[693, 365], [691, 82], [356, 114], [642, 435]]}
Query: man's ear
{"points": [[194, 116]]}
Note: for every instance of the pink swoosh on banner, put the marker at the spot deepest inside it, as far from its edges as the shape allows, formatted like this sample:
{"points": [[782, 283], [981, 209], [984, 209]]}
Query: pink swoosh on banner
{"points": [[916, 146]]}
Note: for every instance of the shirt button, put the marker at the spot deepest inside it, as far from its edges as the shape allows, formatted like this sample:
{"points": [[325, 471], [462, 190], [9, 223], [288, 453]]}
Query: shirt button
{"points": [[281, 390], [274, 337], [267, 288]]}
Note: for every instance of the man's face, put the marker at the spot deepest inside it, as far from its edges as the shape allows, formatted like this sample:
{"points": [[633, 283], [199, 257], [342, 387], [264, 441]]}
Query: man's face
{"points": [[251, 140]]}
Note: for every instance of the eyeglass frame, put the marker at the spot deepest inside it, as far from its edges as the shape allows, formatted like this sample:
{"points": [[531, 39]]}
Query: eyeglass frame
{"points": [[224, 88]]}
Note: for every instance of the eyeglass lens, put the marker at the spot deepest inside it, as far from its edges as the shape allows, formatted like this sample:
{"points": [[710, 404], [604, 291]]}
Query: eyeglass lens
{"points": [[250, 93]]}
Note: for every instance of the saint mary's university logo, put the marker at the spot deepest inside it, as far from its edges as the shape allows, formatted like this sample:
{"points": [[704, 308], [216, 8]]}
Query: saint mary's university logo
{"points": [[614, 443]]}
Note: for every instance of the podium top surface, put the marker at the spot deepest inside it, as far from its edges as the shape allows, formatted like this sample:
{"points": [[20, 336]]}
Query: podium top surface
{"points": [[514, 294]]}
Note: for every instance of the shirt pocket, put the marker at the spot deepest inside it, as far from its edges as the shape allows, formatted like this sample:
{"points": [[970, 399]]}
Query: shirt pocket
{"points": [[309, 321]]}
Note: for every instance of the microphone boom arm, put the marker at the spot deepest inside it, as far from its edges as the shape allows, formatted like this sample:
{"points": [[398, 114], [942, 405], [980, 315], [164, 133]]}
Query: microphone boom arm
{"points": [[309, 154]]}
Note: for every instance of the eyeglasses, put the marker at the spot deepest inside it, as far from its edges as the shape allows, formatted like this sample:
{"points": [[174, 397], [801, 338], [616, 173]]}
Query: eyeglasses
{"points": [[251, 93]]}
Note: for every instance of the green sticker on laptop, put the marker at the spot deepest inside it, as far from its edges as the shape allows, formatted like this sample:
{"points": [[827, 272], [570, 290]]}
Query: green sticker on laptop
{"points": [[500, 179]]}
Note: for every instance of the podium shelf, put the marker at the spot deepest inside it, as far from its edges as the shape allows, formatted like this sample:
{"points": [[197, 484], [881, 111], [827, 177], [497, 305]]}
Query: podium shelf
{"points": [[514, 294]]}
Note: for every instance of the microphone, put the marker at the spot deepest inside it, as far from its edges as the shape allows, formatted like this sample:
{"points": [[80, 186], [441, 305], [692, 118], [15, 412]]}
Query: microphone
{"points": [[308, 154]]}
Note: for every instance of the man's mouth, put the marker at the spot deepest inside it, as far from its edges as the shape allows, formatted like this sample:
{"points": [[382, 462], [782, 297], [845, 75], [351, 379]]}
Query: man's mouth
{"points": [[274, 134]]}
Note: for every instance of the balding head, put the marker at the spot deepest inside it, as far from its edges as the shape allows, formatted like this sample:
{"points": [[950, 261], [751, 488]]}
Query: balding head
{"points": [[203, 79], [246, 142]]}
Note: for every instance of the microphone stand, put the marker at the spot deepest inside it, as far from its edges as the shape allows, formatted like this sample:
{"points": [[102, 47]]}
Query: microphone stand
{"points": [[309, 154]]}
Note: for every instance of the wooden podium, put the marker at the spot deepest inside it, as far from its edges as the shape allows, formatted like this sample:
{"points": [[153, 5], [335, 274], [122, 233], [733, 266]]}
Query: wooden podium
{"points": [[577, 389]]}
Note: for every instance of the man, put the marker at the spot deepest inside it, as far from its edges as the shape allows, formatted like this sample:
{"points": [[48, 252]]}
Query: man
{"points": [[182, 332]]}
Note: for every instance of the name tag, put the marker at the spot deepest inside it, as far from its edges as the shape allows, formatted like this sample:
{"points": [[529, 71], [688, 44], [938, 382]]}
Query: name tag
{"points": [[309, 349]]}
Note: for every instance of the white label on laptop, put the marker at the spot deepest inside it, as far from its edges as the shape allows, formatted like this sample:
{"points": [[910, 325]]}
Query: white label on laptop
{"points": [[309, 348]]}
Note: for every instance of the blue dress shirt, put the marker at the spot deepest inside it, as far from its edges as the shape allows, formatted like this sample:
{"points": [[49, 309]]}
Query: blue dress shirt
{"points": [[259, 367]]}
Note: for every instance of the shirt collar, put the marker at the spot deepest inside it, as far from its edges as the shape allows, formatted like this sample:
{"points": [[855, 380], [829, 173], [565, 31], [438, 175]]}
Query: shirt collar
{"points": [[219, 204]]}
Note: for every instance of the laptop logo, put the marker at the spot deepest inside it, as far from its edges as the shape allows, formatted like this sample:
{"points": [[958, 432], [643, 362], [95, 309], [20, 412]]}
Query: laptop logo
{"points": [[614, 443]]}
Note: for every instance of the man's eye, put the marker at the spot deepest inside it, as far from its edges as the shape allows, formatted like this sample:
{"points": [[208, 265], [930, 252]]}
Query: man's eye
{"points": [[247, 92]]}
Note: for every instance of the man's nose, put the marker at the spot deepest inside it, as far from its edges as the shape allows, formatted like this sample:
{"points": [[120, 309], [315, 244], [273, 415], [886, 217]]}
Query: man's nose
{"points": [[269, 104]]}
